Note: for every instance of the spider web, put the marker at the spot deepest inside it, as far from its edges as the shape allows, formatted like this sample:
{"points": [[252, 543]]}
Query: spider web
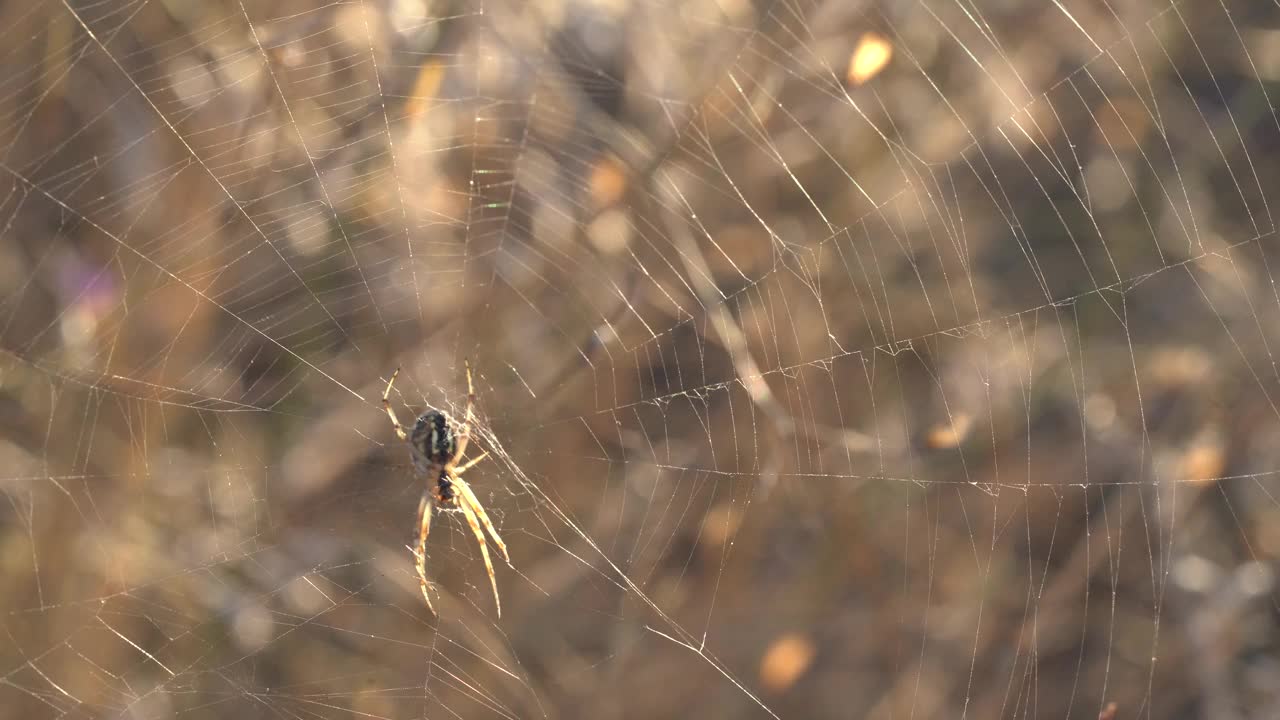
{"points": [[834, 359]]}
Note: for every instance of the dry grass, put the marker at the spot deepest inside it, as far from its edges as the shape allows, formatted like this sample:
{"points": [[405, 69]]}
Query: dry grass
{"points": [[835, 358]]}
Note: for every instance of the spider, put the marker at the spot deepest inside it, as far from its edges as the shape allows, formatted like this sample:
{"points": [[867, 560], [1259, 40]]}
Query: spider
{"points": [[437, 446]]}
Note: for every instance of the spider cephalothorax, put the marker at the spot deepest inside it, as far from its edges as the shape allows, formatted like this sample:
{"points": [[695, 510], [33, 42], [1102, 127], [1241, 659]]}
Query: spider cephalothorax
{"points": [[437, 446]]}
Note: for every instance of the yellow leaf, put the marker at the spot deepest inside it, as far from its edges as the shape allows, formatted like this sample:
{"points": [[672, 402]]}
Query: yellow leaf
{"points": [[869, 58]]}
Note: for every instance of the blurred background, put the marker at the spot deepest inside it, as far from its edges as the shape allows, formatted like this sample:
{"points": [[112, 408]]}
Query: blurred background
{"points": [[834, 359]]}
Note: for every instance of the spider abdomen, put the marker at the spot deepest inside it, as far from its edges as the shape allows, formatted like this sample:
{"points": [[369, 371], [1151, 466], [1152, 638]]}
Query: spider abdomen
{"points": [[433, 441]]}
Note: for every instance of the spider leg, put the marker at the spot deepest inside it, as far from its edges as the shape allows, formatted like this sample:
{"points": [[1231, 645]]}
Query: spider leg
{"points": [[424, 529], [464, 435], [386, 405], [469, 511], [473, 461], [469, 498], [475, 503]]}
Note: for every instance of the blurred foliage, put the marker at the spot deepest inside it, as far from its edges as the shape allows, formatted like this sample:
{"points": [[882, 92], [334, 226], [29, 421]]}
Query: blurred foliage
{"points": [[844, 359]]}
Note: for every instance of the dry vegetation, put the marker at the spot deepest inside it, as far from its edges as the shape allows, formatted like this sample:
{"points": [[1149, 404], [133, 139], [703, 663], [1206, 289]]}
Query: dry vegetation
{"points": [[849, 359]]}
